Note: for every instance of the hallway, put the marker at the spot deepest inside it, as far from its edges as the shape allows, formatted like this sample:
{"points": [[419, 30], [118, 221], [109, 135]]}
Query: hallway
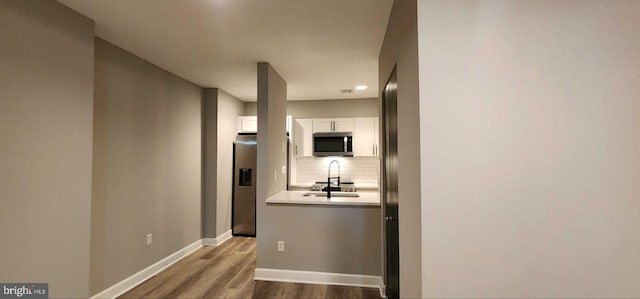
{"points": [[226, 271]]}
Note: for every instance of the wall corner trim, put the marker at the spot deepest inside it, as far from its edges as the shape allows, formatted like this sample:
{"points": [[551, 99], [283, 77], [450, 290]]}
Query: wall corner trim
{"points": [[355, 280], [136, 279], [217, 240]]}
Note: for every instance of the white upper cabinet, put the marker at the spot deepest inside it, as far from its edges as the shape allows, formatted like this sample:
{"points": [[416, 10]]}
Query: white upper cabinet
{"points": [[303, 137], [327, 125], [322, 125], [247, 124], [365, 134], [343, 125], [365, 137]]}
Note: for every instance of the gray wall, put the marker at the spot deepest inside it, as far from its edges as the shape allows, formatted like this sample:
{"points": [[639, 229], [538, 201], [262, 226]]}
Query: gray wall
{"points": [[326, 108], [147, 165], [46, 116], [221, 111], [326, 239], [229, 108], [400, 47], [209, 162], [250, 108], [336, 239], [272, 93], [531, 148]]}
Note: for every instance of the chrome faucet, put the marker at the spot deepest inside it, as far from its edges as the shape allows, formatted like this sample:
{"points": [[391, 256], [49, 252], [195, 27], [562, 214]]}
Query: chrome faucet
{"points": [[329, 177]]}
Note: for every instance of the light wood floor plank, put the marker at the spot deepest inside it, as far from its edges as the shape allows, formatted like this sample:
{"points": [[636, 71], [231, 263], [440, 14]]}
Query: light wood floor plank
{"points": [[227, 271]]}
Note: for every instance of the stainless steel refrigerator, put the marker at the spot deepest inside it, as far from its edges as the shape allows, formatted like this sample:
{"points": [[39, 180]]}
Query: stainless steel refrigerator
{"points": [[244, 185]]}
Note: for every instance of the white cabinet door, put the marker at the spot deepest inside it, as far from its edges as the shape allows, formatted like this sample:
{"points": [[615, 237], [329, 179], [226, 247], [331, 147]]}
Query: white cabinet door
{"points": [[322, 125], [366, 136], [289, 124], [247, 124], [327, 125], [376, 136], [343, 125], [303, 137], [364, 139]]}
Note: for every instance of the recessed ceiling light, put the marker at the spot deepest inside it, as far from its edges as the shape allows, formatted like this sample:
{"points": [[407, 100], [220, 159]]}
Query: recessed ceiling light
{"points": [[361, 87]]}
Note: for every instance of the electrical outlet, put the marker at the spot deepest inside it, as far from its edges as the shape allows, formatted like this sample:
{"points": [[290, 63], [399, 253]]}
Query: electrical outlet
{"points": [[280, 245], [149, 239]]}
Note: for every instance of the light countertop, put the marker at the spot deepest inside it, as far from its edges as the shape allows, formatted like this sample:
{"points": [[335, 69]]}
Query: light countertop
{"points": [[359, 186], [366, 198]]}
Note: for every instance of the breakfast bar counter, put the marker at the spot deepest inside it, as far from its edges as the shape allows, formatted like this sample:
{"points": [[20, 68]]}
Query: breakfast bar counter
{"points": [[365, 198]]}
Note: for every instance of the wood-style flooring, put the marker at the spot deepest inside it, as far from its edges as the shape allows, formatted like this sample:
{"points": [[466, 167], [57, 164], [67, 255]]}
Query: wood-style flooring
{"points": [[227, 271]]}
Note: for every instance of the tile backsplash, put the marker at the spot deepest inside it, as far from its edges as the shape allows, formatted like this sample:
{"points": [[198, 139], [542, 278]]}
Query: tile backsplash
{"points": [[358, 170]]}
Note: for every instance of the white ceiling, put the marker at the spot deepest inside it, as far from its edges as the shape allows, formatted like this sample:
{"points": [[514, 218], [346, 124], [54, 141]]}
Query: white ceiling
{"points": [[317, 46]]}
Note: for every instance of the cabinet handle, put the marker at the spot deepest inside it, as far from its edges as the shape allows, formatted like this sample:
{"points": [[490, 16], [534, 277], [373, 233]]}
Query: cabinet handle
{"points": [[373, 146], [296, 149]]}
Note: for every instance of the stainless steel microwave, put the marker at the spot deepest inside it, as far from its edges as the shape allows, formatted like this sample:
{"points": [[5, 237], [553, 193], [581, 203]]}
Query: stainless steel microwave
{"points": [[333, 144]]}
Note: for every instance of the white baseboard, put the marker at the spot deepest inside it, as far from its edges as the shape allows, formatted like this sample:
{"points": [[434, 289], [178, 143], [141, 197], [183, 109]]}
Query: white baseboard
{"points": [[383, 289], [354, 280], [135, 279], [218, 240]]}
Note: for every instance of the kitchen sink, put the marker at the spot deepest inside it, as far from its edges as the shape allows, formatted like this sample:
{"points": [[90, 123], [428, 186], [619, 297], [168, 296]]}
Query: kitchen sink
{"points": [[333, 194]]}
